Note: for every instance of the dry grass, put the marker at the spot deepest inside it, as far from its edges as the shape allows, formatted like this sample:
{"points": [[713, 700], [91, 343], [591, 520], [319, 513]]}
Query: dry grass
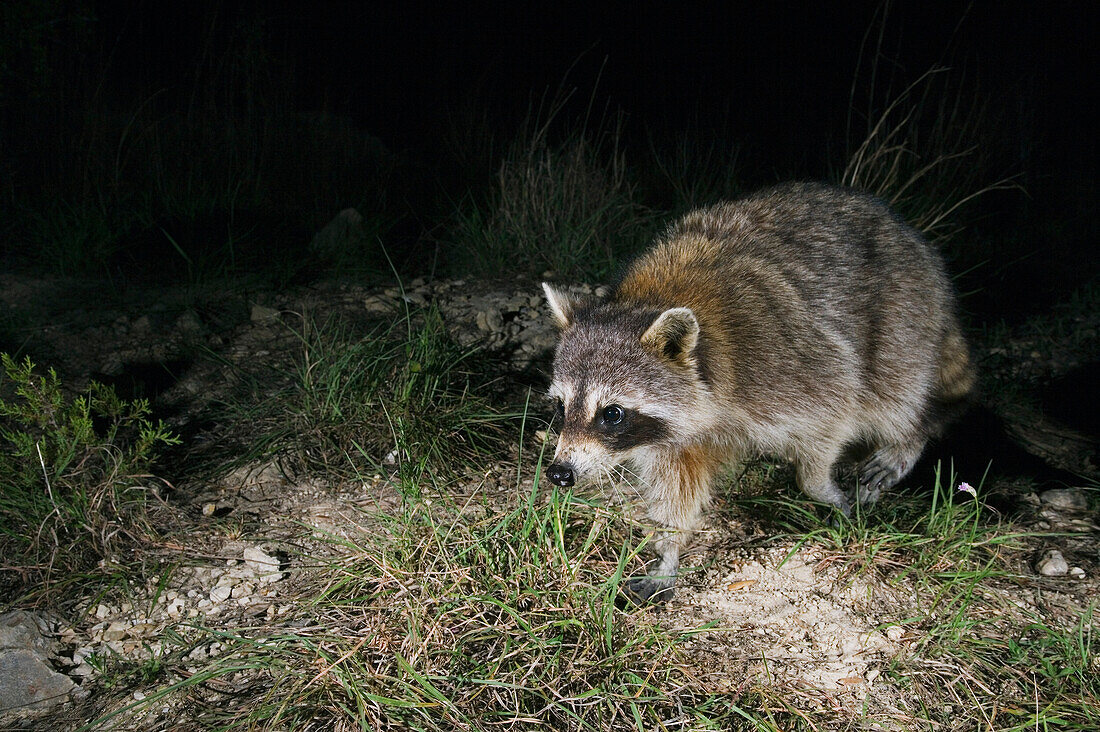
{"points": [[570, 206]]}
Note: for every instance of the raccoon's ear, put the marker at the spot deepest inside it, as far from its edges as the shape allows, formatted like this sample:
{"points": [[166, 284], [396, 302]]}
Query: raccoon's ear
{"points": [[674, 334], [561, 305]]}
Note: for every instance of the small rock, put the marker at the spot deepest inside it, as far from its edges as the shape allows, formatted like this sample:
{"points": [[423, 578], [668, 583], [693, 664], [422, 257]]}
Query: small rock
{"points": [[264, 565], [82, 670], [1067, 499], [143, 325], [494, 321], [228, 580], [189, 322], [244, 589], [24, 630], [344, 233], [208, 509], [1077, 573], [142, 630], [1052, 564], [260, 313], [378, 304], [221, 593], [27, 682], [115, 631]]}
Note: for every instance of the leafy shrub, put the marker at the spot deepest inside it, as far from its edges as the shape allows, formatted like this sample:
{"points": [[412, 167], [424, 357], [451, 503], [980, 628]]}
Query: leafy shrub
{"points": [[71, 469]]}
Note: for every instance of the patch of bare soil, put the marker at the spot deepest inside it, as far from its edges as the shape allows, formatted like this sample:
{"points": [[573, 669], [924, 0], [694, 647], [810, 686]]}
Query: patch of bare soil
{"points": [[787, 619]]}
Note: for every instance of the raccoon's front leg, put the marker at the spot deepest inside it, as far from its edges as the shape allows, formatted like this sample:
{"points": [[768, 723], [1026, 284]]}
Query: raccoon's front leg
{"points": [[677, 485], [814, 467]]}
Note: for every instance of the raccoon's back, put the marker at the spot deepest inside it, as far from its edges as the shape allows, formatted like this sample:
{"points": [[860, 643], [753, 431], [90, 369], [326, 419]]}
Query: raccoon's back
{"points": [[802, 289]]}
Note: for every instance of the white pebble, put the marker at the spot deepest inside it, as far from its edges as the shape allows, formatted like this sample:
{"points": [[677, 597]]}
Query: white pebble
{"points": [[1052, 564]]}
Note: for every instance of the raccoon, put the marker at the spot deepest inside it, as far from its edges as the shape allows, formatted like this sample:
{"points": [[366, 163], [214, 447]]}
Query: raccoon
{"points": [[804, 321]]}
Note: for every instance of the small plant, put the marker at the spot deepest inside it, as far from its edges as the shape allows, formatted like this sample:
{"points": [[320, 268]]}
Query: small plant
{"points": [[404, 395], [71, 470], [569, 207]]}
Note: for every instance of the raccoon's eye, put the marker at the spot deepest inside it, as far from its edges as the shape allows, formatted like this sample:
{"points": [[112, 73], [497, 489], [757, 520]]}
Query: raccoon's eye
{"points": [[613, 414], [559, 409]]}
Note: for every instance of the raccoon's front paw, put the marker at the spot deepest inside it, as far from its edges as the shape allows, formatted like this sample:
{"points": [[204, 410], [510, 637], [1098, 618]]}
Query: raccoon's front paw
{"points": [[649, 590]]}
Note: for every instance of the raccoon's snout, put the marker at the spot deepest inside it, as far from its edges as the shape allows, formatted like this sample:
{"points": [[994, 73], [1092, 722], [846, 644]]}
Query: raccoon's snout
{"points": [[560, 474]]}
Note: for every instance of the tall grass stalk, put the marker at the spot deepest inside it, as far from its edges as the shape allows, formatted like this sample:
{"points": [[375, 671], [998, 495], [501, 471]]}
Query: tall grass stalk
{"points": [[921, 150]]}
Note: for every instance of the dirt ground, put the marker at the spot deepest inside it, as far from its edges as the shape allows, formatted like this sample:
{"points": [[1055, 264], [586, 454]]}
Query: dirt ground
{"points": [[775, 613]]}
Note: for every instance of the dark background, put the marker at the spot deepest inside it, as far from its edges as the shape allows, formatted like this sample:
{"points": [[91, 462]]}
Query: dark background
{"points": [[778, 75], [785, 83]]}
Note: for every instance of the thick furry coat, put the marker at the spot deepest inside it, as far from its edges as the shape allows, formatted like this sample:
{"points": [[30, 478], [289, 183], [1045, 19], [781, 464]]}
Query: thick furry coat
{"points": [[800, 321]]}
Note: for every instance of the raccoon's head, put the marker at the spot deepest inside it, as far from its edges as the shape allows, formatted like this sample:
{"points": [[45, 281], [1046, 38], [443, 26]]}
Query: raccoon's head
{"points": [[626, 380]]}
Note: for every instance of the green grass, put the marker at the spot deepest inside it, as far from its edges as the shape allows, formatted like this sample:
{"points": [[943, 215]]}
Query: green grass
{"points": [[480, 609], [356, 401], [475, 613], [74, 471], [975, 657]]}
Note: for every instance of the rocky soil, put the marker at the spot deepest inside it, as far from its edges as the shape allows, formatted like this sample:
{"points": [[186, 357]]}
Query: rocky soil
{"points": [[239, 545]]}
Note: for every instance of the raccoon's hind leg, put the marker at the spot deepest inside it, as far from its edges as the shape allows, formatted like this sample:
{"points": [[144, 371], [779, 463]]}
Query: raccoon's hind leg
{"points": [[885, 467], [678, 482]]}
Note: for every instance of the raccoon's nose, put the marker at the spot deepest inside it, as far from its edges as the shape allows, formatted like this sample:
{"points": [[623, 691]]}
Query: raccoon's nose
{"points": [[560, 475]]}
